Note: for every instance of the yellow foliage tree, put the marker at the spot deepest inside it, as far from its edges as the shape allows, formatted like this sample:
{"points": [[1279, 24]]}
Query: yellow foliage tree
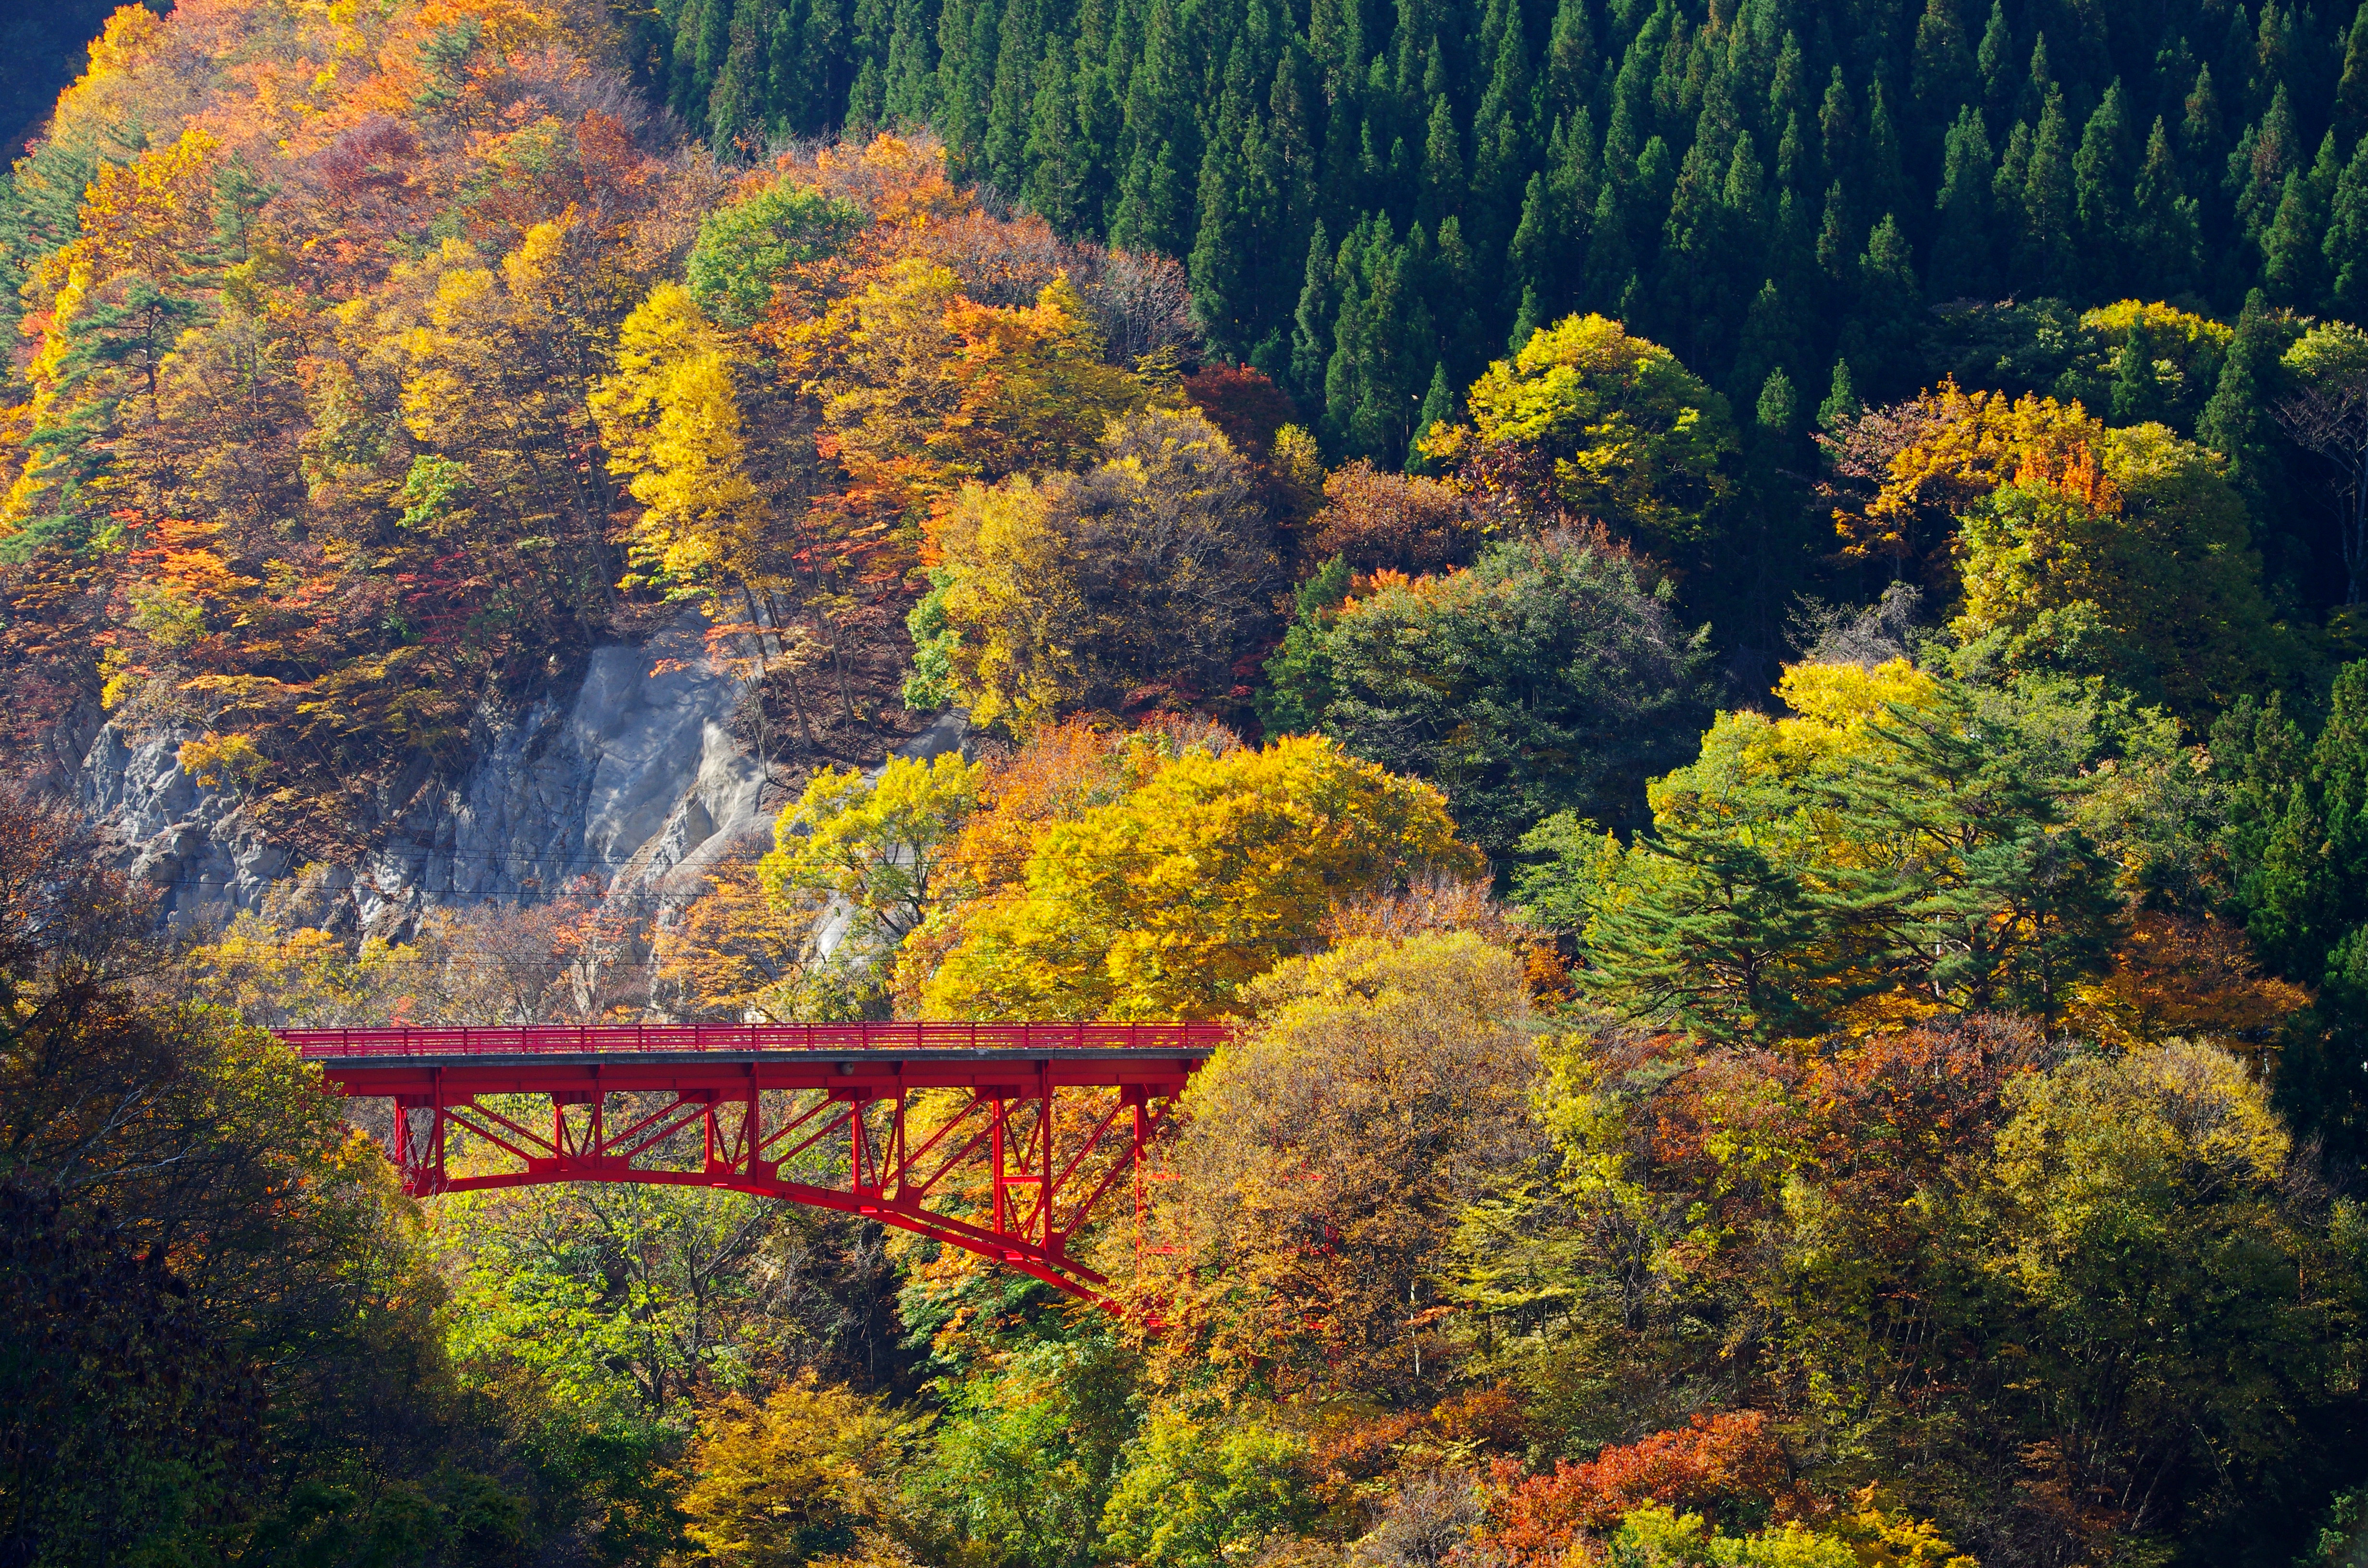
{"points": [[873, 845], [671, 421], [2081, 550], [1063, 771], [1949, 448], [1629, 434], [780, 1484], [2131, 559], [1164, 904], [737, 953], [1330, 1154], [1143, 581]]}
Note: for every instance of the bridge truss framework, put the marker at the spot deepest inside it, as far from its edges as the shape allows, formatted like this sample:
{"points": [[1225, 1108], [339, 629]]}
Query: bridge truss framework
{"points": [[1004, 1140]]}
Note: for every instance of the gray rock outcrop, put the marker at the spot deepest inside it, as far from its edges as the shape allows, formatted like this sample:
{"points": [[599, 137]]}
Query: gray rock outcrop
{"points": [[632, 784]]}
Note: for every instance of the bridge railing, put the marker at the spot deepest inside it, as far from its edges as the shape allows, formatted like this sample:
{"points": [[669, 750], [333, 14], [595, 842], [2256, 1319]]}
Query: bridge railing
{"points": [[563, 1039]]}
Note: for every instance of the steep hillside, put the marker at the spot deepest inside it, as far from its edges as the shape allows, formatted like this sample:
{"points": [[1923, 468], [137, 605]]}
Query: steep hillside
{"points": [[338, 459]]}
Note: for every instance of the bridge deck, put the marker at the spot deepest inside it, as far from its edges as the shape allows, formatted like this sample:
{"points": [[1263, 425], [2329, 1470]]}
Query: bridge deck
{"points": [[1028, 1040], [877, 1057]]}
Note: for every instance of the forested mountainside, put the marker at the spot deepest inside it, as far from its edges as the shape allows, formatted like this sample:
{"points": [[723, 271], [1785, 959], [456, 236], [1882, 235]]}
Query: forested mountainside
{"points": [[1376, 200], [1730, 638]]}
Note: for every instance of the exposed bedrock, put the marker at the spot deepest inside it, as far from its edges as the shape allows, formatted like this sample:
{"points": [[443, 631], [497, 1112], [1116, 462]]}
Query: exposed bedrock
{"points": [[631, 783]]}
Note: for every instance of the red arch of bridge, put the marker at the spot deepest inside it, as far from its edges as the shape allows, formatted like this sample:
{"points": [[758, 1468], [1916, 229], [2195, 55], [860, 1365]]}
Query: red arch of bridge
{"points": [[1052, 1115]]}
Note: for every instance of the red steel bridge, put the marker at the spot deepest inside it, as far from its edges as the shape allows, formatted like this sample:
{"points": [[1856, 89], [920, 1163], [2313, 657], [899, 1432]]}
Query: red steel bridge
{"points": [[1001, 1138]]}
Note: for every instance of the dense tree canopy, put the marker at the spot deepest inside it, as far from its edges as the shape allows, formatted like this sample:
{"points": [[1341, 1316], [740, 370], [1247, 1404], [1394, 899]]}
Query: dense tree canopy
{"points": [[1375, 201], [1545, 677]]}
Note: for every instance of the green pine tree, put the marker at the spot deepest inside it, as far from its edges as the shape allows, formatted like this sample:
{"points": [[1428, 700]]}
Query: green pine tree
{"points": [[1838, 126], [2352, 88], [1941, 76], [1011, 99], [966, 51], [2293, 248], [1454, 290], [1886, 169], [2346, 252], [1997, 899], [2236, 422], [1219, 301], [1721, 938], [1571, 62], [1794, 158], [1530, 257], [2037, 82], [1834, 242], [1058, 180], [736, 105], [1571, 183], [909, 96], [2103, 172], [1610, 262], [1960, 260], [1526, 322], [2164, 241], [1310, 336], [1438, 408], [1286, 179], [1841, 404], [2044, 256], [1161, 142], [1442, 164], [2265, 153], [1770, 340], [1884, 339], [1777, 409], [2198, 125]]}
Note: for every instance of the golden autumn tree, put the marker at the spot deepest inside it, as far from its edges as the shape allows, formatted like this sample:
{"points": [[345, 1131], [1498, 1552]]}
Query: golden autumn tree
{"points": [[735, 953], [671, 419], [1165, 903], [920, 389], [781, 1482], [1142, 582], [1331, 1151]]}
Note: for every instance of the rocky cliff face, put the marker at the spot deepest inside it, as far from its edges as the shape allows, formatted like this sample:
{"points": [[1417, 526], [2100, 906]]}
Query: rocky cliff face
{"points": [[633, 781]]}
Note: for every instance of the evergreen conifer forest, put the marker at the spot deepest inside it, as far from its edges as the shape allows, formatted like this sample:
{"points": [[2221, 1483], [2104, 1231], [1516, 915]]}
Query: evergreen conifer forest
{"points": [[1729, 636]]}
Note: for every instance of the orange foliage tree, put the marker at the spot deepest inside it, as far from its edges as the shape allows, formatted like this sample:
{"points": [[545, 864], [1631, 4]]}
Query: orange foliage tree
{"points": [[1711, 1464]]}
